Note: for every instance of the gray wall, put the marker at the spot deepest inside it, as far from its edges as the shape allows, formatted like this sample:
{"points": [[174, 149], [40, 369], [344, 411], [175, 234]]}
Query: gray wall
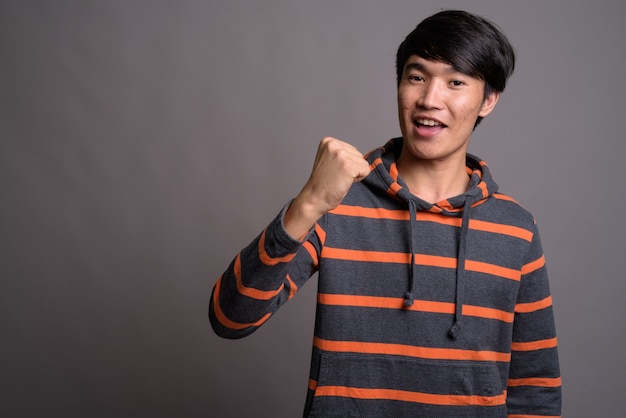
{"points": [[142, 143]]}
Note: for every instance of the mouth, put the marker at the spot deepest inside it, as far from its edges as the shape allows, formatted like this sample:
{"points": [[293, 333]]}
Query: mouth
{"points": [[428, 123], [424, 127]]}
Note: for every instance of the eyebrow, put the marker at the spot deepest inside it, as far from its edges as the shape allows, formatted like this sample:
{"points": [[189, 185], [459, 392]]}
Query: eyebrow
{"points": [[421, 67]]}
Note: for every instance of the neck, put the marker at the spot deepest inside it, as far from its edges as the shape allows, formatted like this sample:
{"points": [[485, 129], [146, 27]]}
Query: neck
{"points": [[434, 181]]}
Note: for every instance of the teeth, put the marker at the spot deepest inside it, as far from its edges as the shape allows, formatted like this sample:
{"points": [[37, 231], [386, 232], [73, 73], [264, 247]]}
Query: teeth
{"points": [[428, 122]]}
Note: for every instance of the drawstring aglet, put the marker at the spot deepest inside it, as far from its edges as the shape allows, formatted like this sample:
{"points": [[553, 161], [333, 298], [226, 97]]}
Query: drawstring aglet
{"points": [[454, 331], [408, 299]]}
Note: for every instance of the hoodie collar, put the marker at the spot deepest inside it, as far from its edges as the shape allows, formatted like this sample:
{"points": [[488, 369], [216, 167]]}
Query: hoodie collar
{"points": [[384, 177]]}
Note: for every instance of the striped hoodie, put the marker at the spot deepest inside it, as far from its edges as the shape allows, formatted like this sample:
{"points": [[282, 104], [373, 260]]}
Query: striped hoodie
{"points": [[423, 310]]}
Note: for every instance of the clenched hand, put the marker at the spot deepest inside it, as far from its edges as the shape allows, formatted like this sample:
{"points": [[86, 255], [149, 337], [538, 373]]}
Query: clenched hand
{"points": [[337, 166]]}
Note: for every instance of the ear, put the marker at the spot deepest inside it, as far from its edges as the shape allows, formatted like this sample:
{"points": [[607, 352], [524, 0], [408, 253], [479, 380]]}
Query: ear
{"points": [[489, 103]]}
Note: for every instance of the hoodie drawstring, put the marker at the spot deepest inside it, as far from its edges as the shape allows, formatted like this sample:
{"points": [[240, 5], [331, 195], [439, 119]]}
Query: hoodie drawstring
{"points": [[460, 270], [409, 296], [386, 179]]}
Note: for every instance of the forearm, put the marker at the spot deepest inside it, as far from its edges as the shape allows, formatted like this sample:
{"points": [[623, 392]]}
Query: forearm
{"points": [[263, 276], [301, 216]]}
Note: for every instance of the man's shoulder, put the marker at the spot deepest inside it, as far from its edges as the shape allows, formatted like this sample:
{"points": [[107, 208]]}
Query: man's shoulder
{"points": [[504, 209]]}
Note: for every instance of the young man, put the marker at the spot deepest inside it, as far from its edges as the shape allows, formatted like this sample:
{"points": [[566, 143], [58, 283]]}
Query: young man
{"points": [[433, 298]]}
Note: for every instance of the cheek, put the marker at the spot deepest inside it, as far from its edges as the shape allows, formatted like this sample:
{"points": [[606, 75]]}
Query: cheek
{"points": [[404, 105], [469, 110]]}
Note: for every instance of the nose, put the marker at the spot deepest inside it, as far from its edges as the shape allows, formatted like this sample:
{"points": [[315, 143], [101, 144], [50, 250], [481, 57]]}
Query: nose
{"points": [[431, 95]]}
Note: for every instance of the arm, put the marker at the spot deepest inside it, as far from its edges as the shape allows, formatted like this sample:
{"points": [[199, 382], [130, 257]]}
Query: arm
{"points": [[262, 277], [534, 385], [269, 271]]}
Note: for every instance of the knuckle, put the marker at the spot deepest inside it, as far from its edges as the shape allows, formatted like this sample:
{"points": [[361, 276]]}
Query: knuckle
{"points": [[327, 140]]}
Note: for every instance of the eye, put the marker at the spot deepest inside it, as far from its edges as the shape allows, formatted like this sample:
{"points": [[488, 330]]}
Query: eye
{"points": [[457, 83], [415, 78]]}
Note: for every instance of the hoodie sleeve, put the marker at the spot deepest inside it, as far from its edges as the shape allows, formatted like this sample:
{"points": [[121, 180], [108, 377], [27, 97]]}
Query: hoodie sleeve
{"points": [[534, 384], [263, 276]]}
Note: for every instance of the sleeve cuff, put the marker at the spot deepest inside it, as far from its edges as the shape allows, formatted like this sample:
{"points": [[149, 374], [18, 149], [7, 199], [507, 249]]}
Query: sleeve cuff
{"points": [[278, 241]]}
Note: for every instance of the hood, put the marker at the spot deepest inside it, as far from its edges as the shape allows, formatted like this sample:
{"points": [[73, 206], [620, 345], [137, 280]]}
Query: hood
{"points": [[384, 177]]}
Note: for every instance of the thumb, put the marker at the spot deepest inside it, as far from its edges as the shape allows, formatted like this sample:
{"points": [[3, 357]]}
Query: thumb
{"points": [[363, 170]]}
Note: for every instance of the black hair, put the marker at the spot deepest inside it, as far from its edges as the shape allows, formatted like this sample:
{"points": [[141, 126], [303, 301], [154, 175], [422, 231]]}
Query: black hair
{"points": [[471, 44]]}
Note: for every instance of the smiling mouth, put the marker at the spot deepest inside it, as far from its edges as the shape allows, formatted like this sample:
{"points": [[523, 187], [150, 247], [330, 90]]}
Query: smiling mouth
{"points": [[428, 122]]}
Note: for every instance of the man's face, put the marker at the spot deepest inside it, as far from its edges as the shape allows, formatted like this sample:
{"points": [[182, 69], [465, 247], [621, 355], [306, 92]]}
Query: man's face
{"points": [[438, 107]]}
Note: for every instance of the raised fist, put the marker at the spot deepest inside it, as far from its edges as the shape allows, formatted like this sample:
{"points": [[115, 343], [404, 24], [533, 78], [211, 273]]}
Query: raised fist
{"points": [[337, 166]]}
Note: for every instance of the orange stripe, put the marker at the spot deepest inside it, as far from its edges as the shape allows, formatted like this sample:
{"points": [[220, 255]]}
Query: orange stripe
{"points": [[409, 350], [504, 197], [477, 225], [501, 229], [533, 306], [534, 345], [445, 204], [492, 269], [407, 396], [312, 252], [387, 257], [378, 161], [312, 384], [293, 288], [250, 291], [271, 261], [373, 213], [393, 171], [435, 260], [362, 301], [403, 215], [435, 209], [224, 320], [548, 382], [419, 305], [421, 259], [483, 186], [320, 233], [361, 255], [489, 313], [394, 188], [439, 218], [534, 265]]}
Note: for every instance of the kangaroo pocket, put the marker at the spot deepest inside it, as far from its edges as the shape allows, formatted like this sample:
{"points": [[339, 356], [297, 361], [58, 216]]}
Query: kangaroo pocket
{"points": [[356, 385]]}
